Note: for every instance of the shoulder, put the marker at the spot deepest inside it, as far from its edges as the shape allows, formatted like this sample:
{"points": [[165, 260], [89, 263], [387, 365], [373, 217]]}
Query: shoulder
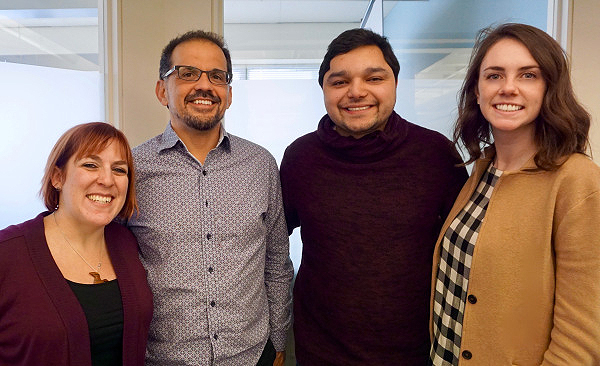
{"points": [[434, 140], [123, 238], [243, 148], [578, 175], [19, 230], [431, 147], [120, 231], [147, 148], [580, 161], [301, 145], [16, 240]]}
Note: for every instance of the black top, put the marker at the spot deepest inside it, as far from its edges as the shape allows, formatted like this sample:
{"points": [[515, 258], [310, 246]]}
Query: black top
{"points": [[102, 306]]}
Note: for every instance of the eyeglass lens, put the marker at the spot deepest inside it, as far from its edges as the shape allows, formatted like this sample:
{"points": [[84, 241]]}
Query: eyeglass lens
{"points": [[190, 73]]}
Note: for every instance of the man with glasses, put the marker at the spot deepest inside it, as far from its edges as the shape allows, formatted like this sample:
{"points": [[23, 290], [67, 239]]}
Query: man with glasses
{"points": [[211, 228]]}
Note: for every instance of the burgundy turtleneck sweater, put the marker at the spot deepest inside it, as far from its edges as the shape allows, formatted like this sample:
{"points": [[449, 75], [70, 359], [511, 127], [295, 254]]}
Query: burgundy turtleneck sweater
{"points": [[369, 212]]}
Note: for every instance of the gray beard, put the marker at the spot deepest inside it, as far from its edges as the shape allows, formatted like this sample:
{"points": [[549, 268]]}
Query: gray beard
{"points": [[201, 124]]}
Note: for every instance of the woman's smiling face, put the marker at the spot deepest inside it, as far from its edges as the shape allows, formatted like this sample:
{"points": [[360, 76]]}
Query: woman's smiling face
{"points": [[510, 89], [93, 188]]}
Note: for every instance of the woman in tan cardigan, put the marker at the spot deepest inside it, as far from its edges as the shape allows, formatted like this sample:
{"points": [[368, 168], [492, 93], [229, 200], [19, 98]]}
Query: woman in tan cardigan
{"points": [[516, 269]]}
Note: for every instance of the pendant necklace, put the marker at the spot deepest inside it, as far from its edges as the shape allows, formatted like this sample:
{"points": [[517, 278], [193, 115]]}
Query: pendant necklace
{"points": [[95, 271]]}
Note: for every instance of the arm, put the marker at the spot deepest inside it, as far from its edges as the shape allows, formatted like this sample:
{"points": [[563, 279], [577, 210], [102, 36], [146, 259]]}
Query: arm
{"points": [[279, 359], [278, 266], [291, 216], [575, 336], [456, 178]]}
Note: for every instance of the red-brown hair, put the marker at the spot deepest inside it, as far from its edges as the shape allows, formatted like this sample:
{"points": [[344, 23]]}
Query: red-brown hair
{"points": [[84, 140], [562, 126]]}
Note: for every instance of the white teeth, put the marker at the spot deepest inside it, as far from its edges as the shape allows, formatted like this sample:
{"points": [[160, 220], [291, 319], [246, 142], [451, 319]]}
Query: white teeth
{"points": [[508, 107], [202, 101], [98, 198], [357, 108]]}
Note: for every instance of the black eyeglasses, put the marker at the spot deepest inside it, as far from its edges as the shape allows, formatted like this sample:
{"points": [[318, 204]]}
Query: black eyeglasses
{"points": [[191, 73]]}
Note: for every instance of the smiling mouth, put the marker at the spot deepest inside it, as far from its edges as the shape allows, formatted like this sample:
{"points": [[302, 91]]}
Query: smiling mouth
{"points": [[356, 109], [203, 102], [99, 198], [508, 107]]}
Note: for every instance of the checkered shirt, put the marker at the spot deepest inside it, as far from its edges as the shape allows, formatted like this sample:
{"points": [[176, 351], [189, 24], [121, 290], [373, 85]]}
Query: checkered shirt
{"points": [[452, 282]]}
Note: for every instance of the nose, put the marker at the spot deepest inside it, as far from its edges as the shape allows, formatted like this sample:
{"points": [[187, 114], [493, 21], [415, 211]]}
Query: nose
{"points": [[509, 86], [203, 83], [356, 89], [106, 177]]}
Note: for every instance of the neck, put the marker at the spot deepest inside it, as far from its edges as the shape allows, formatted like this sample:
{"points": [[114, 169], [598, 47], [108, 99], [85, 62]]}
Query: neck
{"points": [[515, 150], [199, 143], [79, 236]]}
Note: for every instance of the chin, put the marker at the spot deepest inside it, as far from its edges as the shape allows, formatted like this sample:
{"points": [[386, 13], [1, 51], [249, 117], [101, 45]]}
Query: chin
{"points": [[101, 220]]}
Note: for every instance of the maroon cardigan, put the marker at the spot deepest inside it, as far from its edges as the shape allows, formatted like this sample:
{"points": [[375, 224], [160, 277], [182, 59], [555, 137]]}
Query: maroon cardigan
{"points": [[41, 320]]}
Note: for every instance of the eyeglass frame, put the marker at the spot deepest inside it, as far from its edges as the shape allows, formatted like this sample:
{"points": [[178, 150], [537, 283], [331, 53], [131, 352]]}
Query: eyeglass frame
{"points": [[228, 76]]}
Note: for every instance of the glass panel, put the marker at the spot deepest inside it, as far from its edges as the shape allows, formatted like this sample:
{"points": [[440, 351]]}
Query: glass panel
{"points": [[51, 80], [433, 41], [275, 45]]}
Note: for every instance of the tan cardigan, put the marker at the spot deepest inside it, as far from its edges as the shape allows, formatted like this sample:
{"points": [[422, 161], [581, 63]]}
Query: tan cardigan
{"points": [[535, 273]]}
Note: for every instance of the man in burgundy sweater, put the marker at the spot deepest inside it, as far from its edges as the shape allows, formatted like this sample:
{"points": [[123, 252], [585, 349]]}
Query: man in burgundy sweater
{"points": [[369, 191]]}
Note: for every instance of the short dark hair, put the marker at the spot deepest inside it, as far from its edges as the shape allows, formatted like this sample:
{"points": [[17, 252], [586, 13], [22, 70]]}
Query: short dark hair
{"points": [[352, 39], [83, 140], [563, 124], [165, 57]]}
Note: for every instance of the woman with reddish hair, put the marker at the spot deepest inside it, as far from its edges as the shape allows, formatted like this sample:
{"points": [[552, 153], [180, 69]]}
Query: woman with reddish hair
{"points": [[516, 270], [72, 288]]}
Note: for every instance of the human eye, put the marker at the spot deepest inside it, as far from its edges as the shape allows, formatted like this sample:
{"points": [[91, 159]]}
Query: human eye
{"points": [[188, 73], [492, 76], [119, 170], [89, 165], [337, 82], [529, 75], [218, 75], [375, 78]]}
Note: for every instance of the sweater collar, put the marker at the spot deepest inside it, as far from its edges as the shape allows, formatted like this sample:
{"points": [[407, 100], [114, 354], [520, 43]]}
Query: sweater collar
{"points": [[490, 152], [371, 147]]}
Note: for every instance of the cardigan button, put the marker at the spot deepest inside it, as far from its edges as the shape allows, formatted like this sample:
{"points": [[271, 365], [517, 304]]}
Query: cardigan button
{"points": [[472, 299], [213, 303], [467, 355]]}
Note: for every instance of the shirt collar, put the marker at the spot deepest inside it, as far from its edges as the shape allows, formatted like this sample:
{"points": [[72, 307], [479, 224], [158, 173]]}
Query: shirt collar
{"points": [[170, 139]]}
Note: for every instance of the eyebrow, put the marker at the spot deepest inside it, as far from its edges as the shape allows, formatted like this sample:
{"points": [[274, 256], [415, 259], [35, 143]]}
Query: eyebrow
{"points": [[97, 158], [369, 70], [500, 68]]}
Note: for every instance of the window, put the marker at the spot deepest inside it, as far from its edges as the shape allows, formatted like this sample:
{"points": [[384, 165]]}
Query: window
{"points": [[277, 47], [52, 79]]}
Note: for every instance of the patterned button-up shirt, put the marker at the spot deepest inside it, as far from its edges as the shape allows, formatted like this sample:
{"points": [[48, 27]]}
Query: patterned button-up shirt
{"points": [[214, 244]]}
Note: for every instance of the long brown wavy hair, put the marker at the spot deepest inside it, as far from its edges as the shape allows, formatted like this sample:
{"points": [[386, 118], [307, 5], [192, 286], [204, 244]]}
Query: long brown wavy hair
{"points": [[563, 124]]}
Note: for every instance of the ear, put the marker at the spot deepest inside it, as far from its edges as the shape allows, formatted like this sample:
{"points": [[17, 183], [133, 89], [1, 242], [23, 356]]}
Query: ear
{"points": [[477, 93], [229, 95], [161, 93], [57, 179]]}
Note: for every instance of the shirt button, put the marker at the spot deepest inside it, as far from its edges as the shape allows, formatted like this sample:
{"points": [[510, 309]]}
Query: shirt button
{"points": [[215, 336], [210, 269], [213, 303], [204, 172], [208, 236], [472, 299], [466, 354]]}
